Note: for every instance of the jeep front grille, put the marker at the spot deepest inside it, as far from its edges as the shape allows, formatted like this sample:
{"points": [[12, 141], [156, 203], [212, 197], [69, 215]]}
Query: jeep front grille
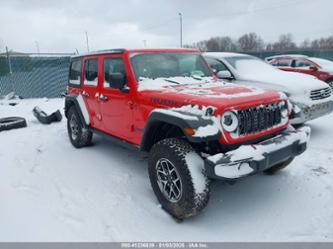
{"points": [[321, 93], [258, 119]]}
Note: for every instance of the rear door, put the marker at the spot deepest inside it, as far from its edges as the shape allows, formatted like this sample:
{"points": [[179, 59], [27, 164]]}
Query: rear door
{"points": [[91, 90], [116, 106], [284, 64]]}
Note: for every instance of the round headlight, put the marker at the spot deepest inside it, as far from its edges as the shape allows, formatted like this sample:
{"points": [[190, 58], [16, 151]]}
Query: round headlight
{"points": [[229, 121]]}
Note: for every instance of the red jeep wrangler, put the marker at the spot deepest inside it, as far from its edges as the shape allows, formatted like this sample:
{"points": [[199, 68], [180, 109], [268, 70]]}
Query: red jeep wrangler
{"points": [[168, 103]]}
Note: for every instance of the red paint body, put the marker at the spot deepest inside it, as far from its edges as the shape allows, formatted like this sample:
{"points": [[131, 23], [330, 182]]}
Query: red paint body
{"points": [[124, 115], [314, 69]]}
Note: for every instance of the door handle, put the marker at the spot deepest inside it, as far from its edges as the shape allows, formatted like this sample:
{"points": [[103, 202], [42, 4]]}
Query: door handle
{"points": [[103, 98], [84, 94]]}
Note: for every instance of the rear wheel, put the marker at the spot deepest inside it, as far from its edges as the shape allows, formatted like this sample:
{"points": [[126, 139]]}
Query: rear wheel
{"points": [[177, 178], [278, 167], [78, 135]]}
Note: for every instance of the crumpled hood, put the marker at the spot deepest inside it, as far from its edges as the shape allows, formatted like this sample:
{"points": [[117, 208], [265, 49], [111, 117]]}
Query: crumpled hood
{"points": [[288, 82], [215, 94]]}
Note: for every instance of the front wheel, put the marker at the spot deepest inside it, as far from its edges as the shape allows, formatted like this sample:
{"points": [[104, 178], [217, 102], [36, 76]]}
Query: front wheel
{"points": [[278, 167], [177, 178]]}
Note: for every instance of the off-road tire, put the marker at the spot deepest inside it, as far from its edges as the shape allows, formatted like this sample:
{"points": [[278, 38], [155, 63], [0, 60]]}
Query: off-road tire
{"points": [[84, 136], [12, 123], [278, 167], [191, 203]]}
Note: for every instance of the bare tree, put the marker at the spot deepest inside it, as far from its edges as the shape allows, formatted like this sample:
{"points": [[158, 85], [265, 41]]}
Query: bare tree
{"points": [[221, 44], [201, 45], [268, 47], [251, 42], [322, 43], [2, 45], [213, 44], [285, 43], [306, 44]]}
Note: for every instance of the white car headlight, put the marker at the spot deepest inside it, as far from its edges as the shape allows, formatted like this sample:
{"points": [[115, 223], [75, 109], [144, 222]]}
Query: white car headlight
{"points": [[284, 109], [229, 121]]}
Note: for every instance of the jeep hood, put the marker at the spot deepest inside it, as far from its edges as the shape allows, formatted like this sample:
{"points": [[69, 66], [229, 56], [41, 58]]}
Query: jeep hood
{"points": [[205, 93]]}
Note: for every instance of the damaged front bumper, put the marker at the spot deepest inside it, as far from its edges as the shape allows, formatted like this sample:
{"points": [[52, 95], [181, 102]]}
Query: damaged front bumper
{"points": [[251, 159], [303, 113]]}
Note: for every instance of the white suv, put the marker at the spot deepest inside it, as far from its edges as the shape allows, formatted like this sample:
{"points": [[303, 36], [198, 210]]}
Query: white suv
{"points": [[311, 98]]}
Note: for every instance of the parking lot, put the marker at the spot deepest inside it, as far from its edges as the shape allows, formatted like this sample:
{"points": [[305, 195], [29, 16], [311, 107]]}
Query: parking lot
{"points": [[51, 191]]}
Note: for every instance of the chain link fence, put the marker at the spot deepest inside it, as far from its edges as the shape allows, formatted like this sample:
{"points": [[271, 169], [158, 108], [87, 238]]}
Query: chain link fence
{"points": [[34, 75], [45, 75]]}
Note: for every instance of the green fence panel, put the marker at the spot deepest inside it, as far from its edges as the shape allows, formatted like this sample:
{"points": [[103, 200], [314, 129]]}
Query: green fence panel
{"points": [[46, 76], [34, 76], [325, 54]]}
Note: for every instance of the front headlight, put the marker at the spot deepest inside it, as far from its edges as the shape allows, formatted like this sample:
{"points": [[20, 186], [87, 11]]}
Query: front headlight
{"points": [[229, 121], [284, 109]]}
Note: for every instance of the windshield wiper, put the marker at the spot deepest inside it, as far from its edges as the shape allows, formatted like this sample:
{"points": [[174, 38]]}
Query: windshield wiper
{"points": [[196, 77], [172, 81]]}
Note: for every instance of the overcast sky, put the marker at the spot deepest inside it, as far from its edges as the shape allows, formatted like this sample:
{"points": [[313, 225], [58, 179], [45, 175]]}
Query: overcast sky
{"points": [[60, 25]]}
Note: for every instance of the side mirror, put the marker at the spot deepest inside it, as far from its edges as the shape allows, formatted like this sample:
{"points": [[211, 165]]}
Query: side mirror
{"points": [[116, 80], [225, 75], [314, 68]]}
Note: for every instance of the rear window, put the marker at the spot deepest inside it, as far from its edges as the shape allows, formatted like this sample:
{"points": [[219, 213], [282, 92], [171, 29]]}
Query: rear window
{"points": [[75, 72], [283, 63], [90, 72], [302, 63]]}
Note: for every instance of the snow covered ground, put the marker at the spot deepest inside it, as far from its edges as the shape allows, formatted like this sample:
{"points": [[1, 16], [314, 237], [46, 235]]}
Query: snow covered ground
{"points": [[50, 191]]}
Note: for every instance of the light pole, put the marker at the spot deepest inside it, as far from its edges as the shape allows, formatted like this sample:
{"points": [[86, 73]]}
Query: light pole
{"points": [[181, 28], [37, 46], [87, 40], [10, 69], [2, 45]]}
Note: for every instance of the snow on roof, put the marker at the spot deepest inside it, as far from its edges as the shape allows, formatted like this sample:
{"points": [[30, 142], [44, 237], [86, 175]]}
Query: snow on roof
{"points": [[225, 54], [122, 50], [286, 56], [106, 51]]}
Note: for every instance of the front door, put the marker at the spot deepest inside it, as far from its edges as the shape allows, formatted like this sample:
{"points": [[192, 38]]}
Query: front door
{"points": [[115, 105], [307, 67]]}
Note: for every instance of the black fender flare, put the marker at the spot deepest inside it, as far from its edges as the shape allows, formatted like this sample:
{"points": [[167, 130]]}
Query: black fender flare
{"points": [[180, 120], [43, 118]]}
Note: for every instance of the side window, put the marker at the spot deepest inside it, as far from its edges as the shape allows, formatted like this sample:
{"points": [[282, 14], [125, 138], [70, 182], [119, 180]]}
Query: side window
{"points": [[216, 65], [75, 72], [91, 72], [283, 63], [113, 66], [302, 63]]}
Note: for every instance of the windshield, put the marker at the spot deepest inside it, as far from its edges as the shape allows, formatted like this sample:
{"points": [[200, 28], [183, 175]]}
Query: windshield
{"points": [[249, 65], [322, 62], [167, 65]]}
